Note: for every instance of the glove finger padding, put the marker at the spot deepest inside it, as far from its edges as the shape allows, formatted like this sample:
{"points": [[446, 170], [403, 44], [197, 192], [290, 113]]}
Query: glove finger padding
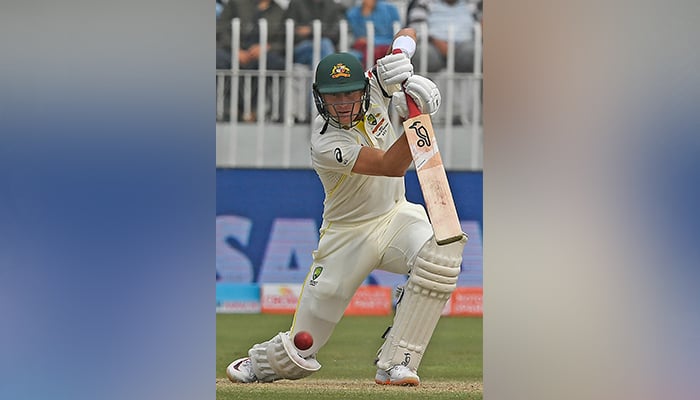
{"points": [[394, 69], [423, 91], [398, 99]]}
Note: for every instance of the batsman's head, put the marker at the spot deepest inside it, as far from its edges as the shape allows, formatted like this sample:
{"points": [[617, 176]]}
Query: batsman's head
{"points": [[341, 90]]}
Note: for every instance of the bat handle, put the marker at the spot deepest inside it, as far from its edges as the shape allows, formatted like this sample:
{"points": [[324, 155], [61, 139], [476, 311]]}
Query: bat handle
{"points": [[413, 110]]}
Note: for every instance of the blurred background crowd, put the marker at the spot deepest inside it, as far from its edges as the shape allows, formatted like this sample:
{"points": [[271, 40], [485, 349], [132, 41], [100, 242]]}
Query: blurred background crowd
{"points": [[447, 25]]}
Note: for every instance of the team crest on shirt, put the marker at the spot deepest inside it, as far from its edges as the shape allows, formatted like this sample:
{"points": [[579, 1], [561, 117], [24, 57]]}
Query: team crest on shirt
{"points": [[314, 275], [340, 70], [372, 119], [378, 124]]}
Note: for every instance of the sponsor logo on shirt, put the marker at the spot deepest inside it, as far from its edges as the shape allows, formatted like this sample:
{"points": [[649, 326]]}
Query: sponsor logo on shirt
{"points": [[381, 128], [338, 155]]}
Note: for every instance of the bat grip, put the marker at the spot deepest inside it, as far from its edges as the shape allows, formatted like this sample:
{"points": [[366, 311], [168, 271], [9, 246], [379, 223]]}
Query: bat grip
{"points": [[413, 110]]}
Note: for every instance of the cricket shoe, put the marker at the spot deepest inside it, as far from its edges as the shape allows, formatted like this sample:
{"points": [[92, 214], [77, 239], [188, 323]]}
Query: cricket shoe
{"points": [[241, 371], [398, 375]]}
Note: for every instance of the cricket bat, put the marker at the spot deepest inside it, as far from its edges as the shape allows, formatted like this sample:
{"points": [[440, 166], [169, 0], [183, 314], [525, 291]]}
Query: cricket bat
{"points": [[432, 178], [431, 175]]}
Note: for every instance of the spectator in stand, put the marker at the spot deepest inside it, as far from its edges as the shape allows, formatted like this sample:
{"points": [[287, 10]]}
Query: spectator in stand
{"points": [[304, 12], [383, 15], [439, 15], [219, 8], [347, 4], [249, 12], [479, 12]]}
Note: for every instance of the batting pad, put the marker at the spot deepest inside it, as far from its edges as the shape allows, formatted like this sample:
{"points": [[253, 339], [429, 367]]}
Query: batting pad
{"points": [[278, 359], [433, 279]]}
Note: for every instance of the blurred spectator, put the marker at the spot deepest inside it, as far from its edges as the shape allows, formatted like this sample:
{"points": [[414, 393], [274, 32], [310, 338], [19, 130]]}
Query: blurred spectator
{"points": [[479, 12], [439, 15], [249, 12], [304, 12], [383, 15], [346, 4], [219, 8]]}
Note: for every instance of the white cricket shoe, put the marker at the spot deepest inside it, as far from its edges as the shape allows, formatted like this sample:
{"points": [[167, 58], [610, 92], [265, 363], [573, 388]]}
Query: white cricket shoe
{"points": [[241, 371], [398, 375]]}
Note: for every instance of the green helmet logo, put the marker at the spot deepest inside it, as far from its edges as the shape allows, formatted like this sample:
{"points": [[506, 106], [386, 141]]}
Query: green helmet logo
{"points": [[340, 71]]}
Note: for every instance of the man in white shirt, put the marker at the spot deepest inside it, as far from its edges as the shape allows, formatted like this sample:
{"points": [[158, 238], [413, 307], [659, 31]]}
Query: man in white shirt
{"points": [[439, 15], [367, 222]]}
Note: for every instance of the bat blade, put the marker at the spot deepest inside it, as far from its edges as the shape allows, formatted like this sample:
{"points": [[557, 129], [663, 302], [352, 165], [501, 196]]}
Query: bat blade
{"points": [[433, 179]]}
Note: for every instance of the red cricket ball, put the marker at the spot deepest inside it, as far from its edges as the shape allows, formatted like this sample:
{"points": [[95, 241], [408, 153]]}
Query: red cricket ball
{"points": [[303, 340]]}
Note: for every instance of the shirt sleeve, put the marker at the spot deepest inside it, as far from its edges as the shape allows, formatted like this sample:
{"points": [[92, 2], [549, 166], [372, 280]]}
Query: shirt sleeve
{"points": [[335, 151]]}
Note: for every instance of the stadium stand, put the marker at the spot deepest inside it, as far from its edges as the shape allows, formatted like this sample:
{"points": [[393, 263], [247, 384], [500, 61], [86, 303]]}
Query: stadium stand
{"points": [[279, 135]]}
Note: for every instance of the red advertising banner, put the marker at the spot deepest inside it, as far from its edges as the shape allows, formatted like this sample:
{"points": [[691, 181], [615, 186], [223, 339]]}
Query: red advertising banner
{"points": [[370, 300], [466, 301], [279, 298]]}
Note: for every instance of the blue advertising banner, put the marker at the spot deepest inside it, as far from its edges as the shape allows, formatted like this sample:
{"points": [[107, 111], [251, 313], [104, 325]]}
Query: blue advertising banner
{"points": [[237, 298], [267, 225]]}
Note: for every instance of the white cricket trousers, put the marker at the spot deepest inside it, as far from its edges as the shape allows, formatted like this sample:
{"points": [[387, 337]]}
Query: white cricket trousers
{"points": [[346, 255]]}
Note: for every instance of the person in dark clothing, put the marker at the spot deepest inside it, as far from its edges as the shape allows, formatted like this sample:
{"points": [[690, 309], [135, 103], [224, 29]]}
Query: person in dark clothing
{"points": [[249, 12], [304, 12]]}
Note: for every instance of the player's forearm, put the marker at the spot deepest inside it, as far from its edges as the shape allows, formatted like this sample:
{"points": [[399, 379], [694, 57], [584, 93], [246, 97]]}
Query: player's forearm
{"points": [[393, 162], [398, 158]]}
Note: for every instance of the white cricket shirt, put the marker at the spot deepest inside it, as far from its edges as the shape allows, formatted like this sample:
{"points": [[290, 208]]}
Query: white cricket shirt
{"points": [[351, 197]]}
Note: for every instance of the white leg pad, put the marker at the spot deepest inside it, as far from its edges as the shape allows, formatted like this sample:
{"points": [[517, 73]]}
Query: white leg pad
{"points": [[278, 359], [432, 280]]}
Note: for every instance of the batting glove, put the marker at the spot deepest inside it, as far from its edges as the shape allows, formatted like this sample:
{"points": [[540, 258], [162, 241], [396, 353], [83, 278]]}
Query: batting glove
{"points": [[393, 70], [425, 93]]}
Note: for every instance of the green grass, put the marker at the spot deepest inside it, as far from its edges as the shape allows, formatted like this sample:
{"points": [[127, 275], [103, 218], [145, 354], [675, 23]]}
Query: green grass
{"points": [[451, 368]]}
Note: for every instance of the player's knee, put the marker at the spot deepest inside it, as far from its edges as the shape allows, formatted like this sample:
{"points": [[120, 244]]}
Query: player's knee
{"points": [[437, 268]]}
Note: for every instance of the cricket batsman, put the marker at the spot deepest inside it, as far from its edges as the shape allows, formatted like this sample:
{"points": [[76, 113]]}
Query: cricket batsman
{"points": [[367, 222]]}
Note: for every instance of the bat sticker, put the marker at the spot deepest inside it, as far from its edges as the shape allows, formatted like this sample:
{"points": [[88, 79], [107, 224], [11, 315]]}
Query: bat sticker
{"points": [[422, 133]]}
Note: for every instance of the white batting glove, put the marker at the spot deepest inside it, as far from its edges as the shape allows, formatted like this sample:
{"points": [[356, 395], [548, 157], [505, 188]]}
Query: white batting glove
{"points": [[425, 93], [393, 70]]}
